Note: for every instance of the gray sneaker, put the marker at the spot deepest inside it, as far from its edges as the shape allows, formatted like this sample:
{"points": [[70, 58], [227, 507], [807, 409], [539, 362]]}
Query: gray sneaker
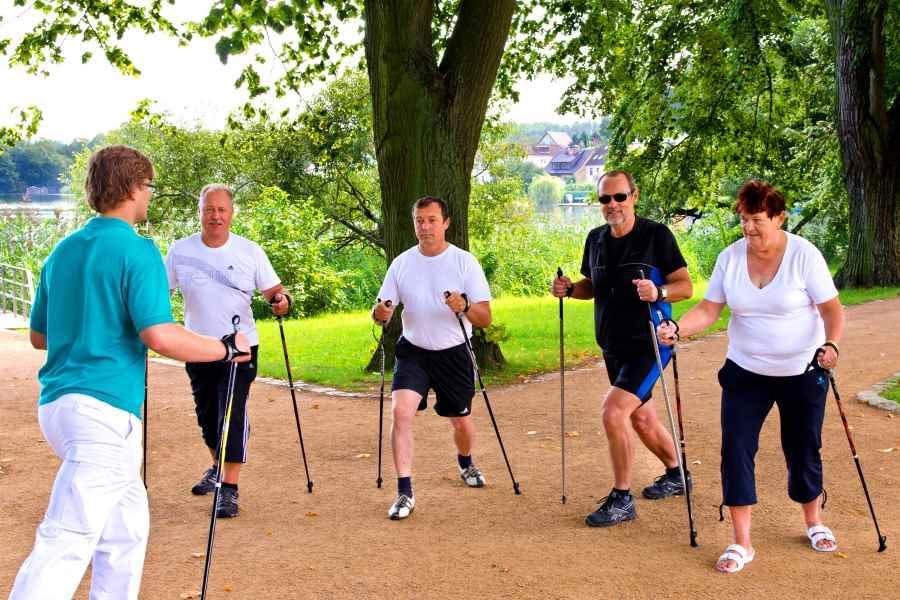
{"points": [[615, 508], [227, 506], [472, 476], [206, 484], [666, 485]]}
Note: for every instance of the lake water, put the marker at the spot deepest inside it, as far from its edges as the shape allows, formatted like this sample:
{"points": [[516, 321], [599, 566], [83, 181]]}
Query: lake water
{"points": [[40, 205]]}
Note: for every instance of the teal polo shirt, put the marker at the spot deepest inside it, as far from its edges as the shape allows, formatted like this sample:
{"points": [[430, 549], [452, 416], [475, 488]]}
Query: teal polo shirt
{"points": [[99, 288]]}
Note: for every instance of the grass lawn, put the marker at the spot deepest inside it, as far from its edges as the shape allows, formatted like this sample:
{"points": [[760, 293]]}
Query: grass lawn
{"points": [[333, 350], [892, 391]]}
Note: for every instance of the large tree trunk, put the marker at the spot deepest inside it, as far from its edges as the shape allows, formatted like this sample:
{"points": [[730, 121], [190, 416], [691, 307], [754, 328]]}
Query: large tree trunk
{"points": [[868, 128], [427, 117]]}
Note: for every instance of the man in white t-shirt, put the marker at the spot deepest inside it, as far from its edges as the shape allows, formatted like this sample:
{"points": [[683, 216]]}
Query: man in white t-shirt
{"points": [[218, 272], [432, 354]]}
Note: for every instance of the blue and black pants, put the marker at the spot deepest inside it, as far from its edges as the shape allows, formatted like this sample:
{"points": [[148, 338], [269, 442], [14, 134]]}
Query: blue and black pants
{"points": [[747, 399]]}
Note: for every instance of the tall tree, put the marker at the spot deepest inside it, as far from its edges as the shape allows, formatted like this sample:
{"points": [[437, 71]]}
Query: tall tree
{"points": [[868, 127], [432, 67]]}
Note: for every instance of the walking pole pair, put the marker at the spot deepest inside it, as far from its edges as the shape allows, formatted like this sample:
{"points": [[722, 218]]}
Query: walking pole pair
{"points": [[378, 481], [484, 394], [287, 367], [681, 457], [220, 466], [882, 540]]}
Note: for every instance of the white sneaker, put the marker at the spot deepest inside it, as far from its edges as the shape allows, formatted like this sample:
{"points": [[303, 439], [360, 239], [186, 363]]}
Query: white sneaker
{"points": [[472, 476], [401, 508]]}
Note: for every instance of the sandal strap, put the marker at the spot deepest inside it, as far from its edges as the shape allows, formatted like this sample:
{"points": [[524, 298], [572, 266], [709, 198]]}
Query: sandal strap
{"points": [[820, 532], [735, 552]]}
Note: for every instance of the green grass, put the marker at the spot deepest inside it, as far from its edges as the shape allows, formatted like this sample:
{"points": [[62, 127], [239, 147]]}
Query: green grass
{"points": [[333, 350], [892, 391]]}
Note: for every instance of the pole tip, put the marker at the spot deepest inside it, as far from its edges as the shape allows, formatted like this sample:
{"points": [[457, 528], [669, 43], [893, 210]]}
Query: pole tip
{"points": [[516, 488], [882, 543], [309, 486]]}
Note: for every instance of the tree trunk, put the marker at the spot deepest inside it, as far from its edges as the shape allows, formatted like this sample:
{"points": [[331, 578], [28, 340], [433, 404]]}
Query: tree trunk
{"points": [[868, 128], [427, 117]]}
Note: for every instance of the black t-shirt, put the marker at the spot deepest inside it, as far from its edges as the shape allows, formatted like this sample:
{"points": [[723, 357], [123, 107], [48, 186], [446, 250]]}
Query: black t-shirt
{"points": [[620, 318]]}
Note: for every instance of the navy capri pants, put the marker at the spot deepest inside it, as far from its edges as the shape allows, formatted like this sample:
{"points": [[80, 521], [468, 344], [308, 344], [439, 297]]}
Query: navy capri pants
{"points": [[747, 398]]}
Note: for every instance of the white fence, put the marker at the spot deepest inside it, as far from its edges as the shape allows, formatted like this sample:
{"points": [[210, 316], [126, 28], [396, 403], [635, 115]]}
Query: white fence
{"points": [[16, 290]]}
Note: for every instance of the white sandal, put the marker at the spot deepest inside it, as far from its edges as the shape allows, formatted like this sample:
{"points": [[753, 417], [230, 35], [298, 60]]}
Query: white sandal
{"points": [[819, 533], [738, 554]]}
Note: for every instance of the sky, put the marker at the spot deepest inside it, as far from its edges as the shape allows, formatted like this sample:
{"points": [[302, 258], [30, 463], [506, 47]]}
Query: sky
{"points": [[81, 100]]}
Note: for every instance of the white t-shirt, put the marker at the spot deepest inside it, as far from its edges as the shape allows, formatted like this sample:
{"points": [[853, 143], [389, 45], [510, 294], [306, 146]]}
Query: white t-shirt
{"points": [[774, 330], [418, 282], [218, 283]]}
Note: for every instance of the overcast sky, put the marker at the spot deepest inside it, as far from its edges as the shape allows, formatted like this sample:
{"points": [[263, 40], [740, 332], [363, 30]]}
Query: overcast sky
{"points": [[79, 101]]}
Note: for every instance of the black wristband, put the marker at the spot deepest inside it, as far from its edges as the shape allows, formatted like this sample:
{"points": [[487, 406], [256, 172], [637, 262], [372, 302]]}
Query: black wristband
{"points": [[231, 349], [570, 290], [468, 306]]}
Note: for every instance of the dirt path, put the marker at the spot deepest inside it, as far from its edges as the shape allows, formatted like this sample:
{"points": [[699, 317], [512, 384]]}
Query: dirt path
{"points": [[488, 543]]}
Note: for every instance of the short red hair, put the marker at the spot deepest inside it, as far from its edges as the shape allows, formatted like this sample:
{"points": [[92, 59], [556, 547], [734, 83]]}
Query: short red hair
{"points": [[756, 196]]}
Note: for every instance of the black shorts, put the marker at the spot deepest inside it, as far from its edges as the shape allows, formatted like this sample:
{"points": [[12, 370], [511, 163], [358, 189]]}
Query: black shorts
{"points": [[635, 373], [448, 372], [209, 383]]}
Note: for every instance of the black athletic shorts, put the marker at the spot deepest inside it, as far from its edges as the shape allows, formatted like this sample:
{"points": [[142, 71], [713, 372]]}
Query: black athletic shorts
{"points": [[634, 373], [448, 372], [209, 383]]}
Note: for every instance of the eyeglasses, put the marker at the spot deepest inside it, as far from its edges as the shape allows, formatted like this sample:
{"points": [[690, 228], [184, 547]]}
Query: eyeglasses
{"points": [[607, 198]]}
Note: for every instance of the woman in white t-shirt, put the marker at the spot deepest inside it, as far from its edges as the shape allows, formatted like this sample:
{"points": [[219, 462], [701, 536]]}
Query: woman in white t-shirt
{"points": [[785, 318]]}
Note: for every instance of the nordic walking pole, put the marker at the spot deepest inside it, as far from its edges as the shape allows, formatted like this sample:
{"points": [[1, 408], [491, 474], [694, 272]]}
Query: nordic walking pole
{"points": [[562, 392], [287, 367], [678, 411], [146, 395], [220, 466], [378, 481], [484, 394], [882, 540], [679, 456]]}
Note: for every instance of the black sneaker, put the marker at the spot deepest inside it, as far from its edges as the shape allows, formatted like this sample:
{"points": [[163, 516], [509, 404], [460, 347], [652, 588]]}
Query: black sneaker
{"points": [[666, 485], [615, 508], [227, 506], [206, 484]]}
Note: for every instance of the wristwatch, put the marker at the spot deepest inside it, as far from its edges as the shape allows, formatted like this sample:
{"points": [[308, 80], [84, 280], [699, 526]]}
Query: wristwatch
{"points": [[663, 293]]}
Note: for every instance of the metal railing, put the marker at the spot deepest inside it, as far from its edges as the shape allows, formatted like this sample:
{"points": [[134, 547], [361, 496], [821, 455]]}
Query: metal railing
{"points": [[16, 290]]}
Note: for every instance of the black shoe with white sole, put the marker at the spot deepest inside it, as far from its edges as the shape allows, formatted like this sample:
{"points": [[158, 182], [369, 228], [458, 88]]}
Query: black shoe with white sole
{"points": [[615, 508]]}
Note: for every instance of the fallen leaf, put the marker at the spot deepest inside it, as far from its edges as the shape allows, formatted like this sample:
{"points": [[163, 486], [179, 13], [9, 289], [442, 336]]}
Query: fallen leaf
{"points": [[840, 555], [269, 533], [197, 554], [6, 460], [696, 462], [316, 406], [312, 514], [363, 455], [886, 450], [188, 595], [532, 432], [227, 588], [572, 434]]}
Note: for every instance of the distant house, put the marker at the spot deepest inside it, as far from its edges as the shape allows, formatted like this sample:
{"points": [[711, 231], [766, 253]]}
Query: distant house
{"points": [[550, 144], [578, 165]]}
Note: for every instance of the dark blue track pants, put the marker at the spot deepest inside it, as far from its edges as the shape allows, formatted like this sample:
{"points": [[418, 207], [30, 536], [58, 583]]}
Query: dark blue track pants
{"points": [[747, 399]]}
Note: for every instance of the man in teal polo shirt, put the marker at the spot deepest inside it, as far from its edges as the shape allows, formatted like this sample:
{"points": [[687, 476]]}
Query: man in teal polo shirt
{"points": [[103, 299]]}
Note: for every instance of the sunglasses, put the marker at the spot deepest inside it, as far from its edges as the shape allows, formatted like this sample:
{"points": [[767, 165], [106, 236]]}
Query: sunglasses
{"points": [[607, 198]]}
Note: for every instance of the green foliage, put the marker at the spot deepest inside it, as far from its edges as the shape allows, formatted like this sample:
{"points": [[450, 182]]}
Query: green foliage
{"points": [[892, 391], [293, 237], [546, 191], [26, 241], [27, 121]]}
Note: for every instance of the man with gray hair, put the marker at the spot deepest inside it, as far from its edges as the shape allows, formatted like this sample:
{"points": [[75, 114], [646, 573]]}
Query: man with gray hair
{"points": [[218, 272]]}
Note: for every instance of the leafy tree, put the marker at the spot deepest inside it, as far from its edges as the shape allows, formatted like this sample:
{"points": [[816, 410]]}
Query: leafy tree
{"points": [[718, 92], [546, 191]]}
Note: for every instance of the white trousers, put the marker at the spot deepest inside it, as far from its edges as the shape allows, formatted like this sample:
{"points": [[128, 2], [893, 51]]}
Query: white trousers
{"points": [[98, 506]]}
